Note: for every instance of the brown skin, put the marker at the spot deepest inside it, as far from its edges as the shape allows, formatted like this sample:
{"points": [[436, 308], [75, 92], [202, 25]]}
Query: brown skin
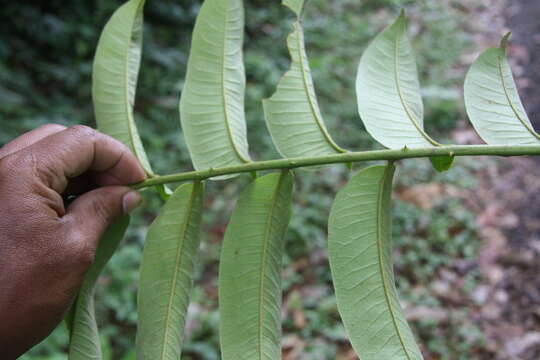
{"points": [[46, 247]]}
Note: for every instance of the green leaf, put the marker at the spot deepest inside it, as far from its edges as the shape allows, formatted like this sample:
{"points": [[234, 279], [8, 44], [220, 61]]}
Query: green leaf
{"points": [[297, 6], [116, 69], [388, 90], [250, 270], [167, 274], [212, 103], [84, 343], [163, 191], [442, 163], [292, 114], [493, 103], [360, 250]]}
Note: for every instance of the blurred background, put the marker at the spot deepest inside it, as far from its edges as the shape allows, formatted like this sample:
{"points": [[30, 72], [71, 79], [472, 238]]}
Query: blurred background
{"points": [[467, 242]]}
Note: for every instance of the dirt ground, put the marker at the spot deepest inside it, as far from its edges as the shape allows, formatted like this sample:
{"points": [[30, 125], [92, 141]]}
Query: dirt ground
{"points": [[508, 205]]}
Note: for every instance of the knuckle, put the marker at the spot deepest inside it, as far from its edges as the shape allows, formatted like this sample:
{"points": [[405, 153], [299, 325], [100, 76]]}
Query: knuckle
{"points": [[14, 164], [83, 130], [52, 127], [82, 251]]}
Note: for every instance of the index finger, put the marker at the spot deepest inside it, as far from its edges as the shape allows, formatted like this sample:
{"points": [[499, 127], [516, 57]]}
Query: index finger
{"points": [[79, 149]]}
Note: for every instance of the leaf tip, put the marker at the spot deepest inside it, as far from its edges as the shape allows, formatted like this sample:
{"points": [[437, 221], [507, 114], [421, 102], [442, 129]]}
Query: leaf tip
{"points": [[504, 40], [296, 6], [401, 21]]}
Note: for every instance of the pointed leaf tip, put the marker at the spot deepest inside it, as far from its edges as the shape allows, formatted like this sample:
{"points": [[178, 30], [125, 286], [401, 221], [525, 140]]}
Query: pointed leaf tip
{"points": [[492, 100], [388, 91], [292, 114], [297, 6], [505, 39]]}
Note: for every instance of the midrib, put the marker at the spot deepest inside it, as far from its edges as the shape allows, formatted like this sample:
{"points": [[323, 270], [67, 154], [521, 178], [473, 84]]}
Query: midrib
{"points": [[194, 192], [380, 240], [264, 258], [511, 103]]}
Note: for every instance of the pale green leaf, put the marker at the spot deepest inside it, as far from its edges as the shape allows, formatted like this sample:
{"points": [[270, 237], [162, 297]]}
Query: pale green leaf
{"points": [[297, 6], [250, 270], [115, 73], [493, 102], [167, 275], [292, 114], [212, 103], [84, 342], [360, 251], [388, 90]]}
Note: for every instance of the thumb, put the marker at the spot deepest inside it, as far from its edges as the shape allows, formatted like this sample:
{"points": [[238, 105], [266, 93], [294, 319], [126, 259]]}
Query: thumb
{"points": [[93, 212]]}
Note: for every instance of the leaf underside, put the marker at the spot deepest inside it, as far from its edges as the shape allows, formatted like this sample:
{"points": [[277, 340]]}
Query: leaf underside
{"points": [[84, 342], [167, 275], [297, 6], [493, 102], [360, 250], [212, 102], [292, 114], [250, 270], [388, 90], [115, 73]]}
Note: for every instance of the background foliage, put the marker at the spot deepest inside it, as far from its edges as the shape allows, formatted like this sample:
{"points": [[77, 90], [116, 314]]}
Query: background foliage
{"points": [[46, 53]]}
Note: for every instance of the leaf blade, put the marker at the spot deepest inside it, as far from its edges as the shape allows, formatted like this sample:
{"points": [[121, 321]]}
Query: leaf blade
{"points": [[250, 270], [212, 102], [388, 90], [166, 274], [442, 163], [493, 103], [360, 249], [296, 6], [84, 343], [292, 114], [114, 77]]}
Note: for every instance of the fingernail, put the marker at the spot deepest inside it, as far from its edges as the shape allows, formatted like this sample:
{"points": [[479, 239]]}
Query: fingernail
{"points": [[131, 201]]}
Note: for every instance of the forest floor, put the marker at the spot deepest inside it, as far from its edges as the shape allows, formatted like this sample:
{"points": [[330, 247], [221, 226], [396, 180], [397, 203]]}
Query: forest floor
{"points": [[508, 205]]}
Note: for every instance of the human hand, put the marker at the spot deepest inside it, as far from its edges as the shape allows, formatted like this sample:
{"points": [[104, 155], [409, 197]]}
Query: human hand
{"points": [[45, 246]]}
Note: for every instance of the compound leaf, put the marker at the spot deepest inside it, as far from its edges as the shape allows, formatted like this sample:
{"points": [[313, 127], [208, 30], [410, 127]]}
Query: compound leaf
{"points": [[493, 102], [167, 275], [360, 250], [250, 270], [84, 342], [292, 114], [212, 102], [115, 73], [388, 90]]}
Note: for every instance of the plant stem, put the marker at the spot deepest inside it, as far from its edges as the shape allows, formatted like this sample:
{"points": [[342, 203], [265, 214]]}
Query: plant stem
{"points": [[351, 157]]}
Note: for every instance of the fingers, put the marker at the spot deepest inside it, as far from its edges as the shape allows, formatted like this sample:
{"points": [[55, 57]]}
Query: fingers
{"points": [[79, 149], [30, 138], [91, 213]]}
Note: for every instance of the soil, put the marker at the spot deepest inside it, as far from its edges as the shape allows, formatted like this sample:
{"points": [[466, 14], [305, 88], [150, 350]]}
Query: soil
{"points": [[510, 219]]}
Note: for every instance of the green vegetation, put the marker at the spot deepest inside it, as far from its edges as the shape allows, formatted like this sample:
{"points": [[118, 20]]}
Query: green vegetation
{"points": [[336, 36]]}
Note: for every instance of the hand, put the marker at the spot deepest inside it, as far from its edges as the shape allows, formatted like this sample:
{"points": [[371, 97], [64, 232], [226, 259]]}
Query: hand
{"points": [[46, 247]]}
